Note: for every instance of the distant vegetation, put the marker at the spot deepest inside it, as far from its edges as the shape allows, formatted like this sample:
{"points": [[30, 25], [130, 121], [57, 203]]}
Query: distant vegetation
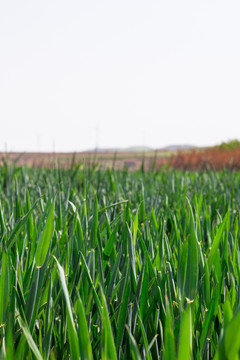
{"points": [[229, 145]]}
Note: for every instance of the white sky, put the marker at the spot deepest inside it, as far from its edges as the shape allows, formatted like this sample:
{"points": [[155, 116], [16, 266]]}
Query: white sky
{"points": [[141, 72]]}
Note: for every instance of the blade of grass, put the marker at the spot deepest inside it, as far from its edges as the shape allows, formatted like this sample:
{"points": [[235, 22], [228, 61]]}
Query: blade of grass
{"points": [[191, 282], [216, 242], [72, 334], [108, 346], [185, 338], [29, 338], [83, 335], [45, 239]]}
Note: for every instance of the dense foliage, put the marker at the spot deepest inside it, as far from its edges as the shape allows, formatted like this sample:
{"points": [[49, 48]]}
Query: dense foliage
{"points": [[118, 265]]}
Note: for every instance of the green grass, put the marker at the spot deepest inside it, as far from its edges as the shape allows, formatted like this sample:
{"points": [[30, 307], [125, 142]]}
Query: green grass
{"points": [[100, 264]]}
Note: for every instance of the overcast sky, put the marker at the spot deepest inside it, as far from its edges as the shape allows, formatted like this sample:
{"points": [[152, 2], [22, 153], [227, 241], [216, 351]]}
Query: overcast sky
{"points": [[74, 74]]}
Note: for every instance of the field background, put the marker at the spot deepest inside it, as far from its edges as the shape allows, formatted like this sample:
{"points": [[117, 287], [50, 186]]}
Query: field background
{"points": [[226, 155]]}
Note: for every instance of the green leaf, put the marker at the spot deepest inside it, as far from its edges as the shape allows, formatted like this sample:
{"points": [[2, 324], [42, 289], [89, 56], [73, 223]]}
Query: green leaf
{"points": [[135, 228], [92, 285], [133, 346], [228, 313], [2, 223], [18, 227], [108, 346], [83, 335], [216, 242], [72, 334], [4, 288], [229, 344], [185, 336], [30, 225], [169, 342], [122, 316], [112, 205], [191, 282], [45, 239], [144, 292], [48, 323], [211, 313], [94, 225], [29, 338], [110, 243], [144, 335], [32, 297], [206, 283]]}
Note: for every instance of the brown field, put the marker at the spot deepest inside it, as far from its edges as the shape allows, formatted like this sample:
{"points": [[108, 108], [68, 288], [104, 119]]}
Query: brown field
{"points": [[200, 159], [210, 158]]}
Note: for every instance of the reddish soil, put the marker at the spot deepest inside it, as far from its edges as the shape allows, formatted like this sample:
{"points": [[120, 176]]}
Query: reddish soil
{"points": [[211, 158]]}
